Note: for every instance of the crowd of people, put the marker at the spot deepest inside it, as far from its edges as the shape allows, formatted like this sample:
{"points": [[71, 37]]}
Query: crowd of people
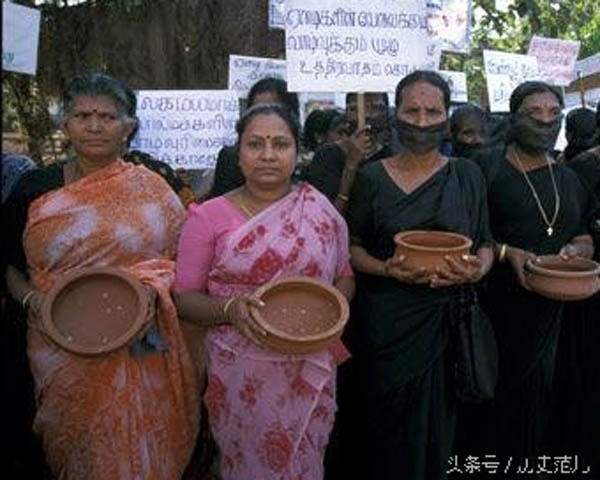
{"points": [[202, 399]]}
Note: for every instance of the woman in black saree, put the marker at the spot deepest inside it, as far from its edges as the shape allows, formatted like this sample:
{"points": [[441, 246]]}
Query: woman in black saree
{"points": [[576, 429], [402, 377], [536, 207]]}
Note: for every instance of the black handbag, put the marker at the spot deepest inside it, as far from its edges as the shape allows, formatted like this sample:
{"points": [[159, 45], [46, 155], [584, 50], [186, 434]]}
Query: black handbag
{"points": [[475, 348]]}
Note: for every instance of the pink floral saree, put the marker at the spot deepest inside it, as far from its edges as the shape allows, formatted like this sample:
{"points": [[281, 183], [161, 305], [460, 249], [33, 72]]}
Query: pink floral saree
{"points": [[271, 414], [115, 416]]}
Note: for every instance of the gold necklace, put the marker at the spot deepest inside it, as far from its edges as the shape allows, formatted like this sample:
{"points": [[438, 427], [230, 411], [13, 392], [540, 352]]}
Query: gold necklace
{"points": [[244, 207], [549, 224]]}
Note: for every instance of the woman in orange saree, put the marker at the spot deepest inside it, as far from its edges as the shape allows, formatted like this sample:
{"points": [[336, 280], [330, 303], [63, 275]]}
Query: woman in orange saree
{"points": [[132, 413]]}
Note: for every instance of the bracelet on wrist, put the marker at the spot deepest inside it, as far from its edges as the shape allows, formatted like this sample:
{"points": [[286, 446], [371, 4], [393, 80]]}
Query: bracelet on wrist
{"points": [[225, 311], [25, 299], [342, 197], [502, 252]]}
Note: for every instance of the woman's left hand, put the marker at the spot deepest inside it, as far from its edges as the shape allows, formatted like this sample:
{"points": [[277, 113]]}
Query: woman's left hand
{"points": [[35, 303], [466, 269]]}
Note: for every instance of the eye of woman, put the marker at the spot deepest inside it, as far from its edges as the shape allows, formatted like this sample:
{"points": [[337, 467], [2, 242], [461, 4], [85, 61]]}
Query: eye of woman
{"points": [[281, 143], [254, 143]]}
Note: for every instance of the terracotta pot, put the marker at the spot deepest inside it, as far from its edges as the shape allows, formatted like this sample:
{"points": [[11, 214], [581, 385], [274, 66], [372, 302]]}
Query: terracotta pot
{"points": [[301, 315], [96, 311], [560, 279], [423, 248]]}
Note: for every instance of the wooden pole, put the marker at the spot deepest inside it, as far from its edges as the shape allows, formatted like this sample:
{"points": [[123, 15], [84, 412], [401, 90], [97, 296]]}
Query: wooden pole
{"points": [[581, 88], [360, 110]]}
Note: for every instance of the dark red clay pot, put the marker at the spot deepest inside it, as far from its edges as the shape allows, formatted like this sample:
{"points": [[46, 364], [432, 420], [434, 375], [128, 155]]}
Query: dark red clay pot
{"points": [[95, 311], [427, 249], [554, 277], [301, 315]]}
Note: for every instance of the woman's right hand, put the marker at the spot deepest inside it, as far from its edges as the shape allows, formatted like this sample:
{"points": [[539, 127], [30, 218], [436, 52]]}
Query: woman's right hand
{"points": [[395, 268], [357, 146], [517, 258], [239, 315]]}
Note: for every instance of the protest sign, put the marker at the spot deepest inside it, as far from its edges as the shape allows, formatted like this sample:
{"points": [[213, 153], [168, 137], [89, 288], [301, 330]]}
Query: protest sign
{"points": [[555, 59], [353, 45], [504, 71], [20, 38], [246, 71], [186, 128], [276, 14], [450, 21], [457, 81], [588, 66]]}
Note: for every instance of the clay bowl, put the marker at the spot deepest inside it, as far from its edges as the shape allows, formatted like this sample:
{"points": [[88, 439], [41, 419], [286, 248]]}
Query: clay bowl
{"points": [[301, 315], [96, 310], [553, 277], [423, 248]]}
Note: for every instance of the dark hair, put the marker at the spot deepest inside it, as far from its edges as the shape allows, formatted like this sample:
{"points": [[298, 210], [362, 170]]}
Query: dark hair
{"points": [[581, 131], [526, 89], [428, 76], [581, 122], [282, 111], [320, 122], [100, 84], [351, 97], [598, 114], [465, 112], [278, 87]]}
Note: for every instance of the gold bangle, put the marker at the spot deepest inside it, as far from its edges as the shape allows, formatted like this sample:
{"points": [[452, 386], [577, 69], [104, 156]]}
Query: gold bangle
{"points": [[26, 298], [226, 308], [342, 197], [502, 254]]}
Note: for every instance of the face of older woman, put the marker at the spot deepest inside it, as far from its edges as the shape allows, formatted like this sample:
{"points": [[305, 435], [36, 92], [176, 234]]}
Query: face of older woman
{"points": [[267, 152], [96, 128], [422, 105], [421, 117]]}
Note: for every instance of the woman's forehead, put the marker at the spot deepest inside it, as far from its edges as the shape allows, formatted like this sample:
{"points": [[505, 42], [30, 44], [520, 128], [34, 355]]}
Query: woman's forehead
{"points": [[540, 100]]}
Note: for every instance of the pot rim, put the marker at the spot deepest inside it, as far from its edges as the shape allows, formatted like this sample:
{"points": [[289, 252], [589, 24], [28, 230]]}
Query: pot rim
{"points": [[399, 239], [59, 338], [536, 267], [336, 329]]}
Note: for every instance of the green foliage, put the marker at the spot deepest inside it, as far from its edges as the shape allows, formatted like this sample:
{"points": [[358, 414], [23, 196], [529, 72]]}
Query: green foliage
{"points": [[511, 31]]}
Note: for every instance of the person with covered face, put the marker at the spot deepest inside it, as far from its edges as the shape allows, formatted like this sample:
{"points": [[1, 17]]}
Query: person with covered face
{"points": [[333, 167], [403, 417], [537, 207], [468, 130]]}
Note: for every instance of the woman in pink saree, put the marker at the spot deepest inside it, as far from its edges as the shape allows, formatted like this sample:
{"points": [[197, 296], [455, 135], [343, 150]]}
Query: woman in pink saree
{"points": [[132, 413], [271, 414]]}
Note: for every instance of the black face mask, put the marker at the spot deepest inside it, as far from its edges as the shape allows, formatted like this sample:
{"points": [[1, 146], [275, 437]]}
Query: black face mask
{"points": [[465, 150], [533, 135], [421, 139]]}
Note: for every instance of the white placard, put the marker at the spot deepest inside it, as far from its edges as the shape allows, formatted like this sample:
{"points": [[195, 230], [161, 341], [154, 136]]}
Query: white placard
{"points": [[555, 59], [20, 38], [356, 45], [512, 66], [588, 66], [186, 128], [276, 13], [450, 20], [499, 89], [458, 85], [246, 71]]}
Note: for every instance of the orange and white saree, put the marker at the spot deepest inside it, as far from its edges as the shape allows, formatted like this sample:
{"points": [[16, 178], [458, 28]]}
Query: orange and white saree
{"points": [[118, 416]]}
